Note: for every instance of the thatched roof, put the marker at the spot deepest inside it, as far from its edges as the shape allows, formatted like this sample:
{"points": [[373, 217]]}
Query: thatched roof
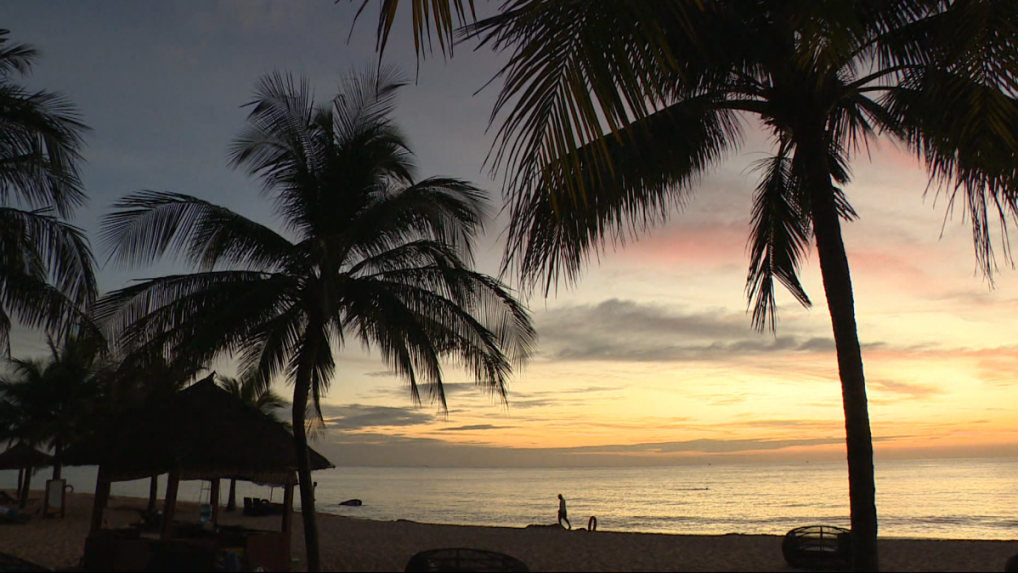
{"points": [[23, 456], [204, 432]]}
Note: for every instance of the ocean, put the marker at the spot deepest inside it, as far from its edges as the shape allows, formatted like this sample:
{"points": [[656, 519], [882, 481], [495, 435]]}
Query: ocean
{"points": [[944, 499]]}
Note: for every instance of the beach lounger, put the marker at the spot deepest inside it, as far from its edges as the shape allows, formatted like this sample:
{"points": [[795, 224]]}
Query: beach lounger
{"points": [[150, 520], [254, 507], [6, 499], [817, 546], [12, 563], [16, 519], [463, 559]]}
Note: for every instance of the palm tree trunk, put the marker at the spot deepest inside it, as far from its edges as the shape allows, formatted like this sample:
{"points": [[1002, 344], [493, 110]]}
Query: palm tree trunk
{"points": [[301, 389], [27, 487], [231, 502], [153, 493], [841, 305], [58, 450]]}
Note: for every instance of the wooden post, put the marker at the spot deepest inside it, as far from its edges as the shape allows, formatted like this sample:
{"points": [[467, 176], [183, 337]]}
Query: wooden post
{"points": [[214, 501], [102, 497], [170, 504], [26, 488], [288, 507], [287, 519]]}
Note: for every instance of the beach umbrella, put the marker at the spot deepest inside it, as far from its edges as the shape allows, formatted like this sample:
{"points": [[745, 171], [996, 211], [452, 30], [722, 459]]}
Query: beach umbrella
{"points": [[24, 457]]}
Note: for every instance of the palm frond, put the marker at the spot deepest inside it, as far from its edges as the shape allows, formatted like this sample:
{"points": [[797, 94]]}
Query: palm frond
{"points": [[429, 16], [446, 210], [270, 345], [147, 224], [194, 317], [972, 149], [41, 135], [37, 304], [579, 70], [277, 143], [5, 334], [16, 58], [779, 240], [655, 161], [366, 100], [438, 312], [50, 248]]}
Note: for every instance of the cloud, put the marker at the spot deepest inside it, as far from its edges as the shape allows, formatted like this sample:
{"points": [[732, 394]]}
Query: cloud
{"points": [[450, 389], [899, 387], [626, 330], [474, 427], [375, 449], [817, 345], [788, 423], [358, 417]]}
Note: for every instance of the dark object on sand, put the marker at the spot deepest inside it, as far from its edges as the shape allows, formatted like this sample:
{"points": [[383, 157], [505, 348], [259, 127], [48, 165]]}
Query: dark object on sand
{"points": [[181, 556], [817, 546], [255, 507], [12, 563], [150, 520], [352, 503], [462, 559], [1012, 565]]}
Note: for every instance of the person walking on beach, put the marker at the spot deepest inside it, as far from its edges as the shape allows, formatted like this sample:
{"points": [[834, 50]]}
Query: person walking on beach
{"points": [[562, 512]]}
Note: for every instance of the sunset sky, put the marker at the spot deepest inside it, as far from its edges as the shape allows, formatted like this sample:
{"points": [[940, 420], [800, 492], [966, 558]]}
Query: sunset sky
{"points": [[650, 358]]}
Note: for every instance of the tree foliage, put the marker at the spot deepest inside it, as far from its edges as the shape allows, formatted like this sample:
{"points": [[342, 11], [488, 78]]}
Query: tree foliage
{"points": [[368, 251]]}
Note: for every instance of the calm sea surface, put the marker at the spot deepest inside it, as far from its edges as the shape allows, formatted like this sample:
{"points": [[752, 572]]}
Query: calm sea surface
{"points": [[958, 498]]}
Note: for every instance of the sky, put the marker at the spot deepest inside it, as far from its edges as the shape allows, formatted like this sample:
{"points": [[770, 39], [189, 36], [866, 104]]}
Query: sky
{"points": [[650, 358]]}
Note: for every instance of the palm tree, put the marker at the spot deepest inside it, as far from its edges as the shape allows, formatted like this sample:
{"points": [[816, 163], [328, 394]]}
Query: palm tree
{"points": [[368, 251], [612, 110], [258, 395], [46, 264], [52, 402]]}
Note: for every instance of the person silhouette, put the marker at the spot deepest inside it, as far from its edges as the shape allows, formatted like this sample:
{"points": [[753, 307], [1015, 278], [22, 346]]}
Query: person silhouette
{"points": [[562, 516]]}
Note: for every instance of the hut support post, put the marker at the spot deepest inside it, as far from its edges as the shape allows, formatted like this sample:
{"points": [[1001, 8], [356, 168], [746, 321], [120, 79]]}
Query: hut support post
{"points": [[287, 508], [288, 516], [26, 487], [214, 501], [102, 497], [170, 505]]}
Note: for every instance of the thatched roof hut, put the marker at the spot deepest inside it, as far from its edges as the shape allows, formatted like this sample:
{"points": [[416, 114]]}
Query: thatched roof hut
{"points": [[24, 456], [204, 432]]}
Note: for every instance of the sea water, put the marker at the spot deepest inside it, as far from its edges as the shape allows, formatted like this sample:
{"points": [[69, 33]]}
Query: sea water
{"points": [[947, 499]]}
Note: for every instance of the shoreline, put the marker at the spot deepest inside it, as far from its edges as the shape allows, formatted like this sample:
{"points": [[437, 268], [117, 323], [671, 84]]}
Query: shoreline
{"points": [[361, 544]]}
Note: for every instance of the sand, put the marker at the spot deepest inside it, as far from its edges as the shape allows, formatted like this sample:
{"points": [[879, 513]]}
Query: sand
{"points": [[362, 545]]}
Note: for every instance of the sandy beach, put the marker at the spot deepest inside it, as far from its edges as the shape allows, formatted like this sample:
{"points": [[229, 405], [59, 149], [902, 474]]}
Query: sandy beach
{"points": [[363, 545]]}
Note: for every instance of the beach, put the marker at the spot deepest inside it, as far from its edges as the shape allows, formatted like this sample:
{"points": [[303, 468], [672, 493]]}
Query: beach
{"points": [[350, 544]]}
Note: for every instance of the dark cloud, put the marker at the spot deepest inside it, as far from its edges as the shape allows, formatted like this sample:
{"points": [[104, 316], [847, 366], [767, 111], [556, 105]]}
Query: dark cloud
{"points": [[373, 449], [817, 345], [357, 417], [474, 428], [450, 389], [709, 446], [906, 388], [625, 330], [787, 423], [561, 397]]}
